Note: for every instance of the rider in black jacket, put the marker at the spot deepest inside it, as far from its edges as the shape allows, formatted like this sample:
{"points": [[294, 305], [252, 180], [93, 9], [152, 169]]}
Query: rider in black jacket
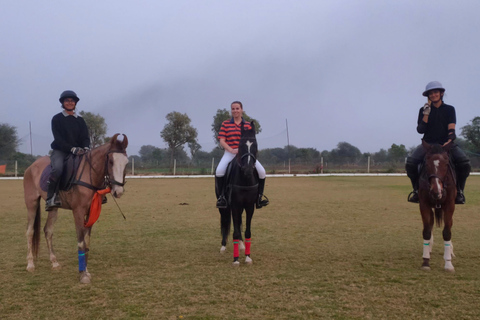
{"points": [[70, 135], [436, 121]]}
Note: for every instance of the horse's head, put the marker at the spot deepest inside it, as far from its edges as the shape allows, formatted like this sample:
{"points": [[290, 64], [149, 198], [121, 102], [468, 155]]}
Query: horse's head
{"points": [[247, 150], [116, 164], [437, 168]]}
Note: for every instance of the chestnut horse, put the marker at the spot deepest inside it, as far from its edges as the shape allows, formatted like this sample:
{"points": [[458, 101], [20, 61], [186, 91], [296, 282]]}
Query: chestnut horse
{"points": [[241, 193], [437, 191], [102, 167]]}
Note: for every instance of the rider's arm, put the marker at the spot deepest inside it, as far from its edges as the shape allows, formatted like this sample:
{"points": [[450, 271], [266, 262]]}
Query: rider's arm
{"points": [[225, 146], [451, 133]]}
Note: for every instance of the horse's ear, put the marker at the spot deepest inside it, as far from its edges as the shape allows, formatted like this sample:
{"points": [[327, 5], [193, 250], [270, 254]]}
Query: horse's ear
{"points": [[425, 145], [114, 139], [125, 142]]}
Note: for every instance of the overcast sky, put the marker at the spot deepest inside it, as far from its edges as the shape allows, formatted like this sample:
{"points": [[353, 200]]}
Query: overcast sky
{"points": [[337, 70]]}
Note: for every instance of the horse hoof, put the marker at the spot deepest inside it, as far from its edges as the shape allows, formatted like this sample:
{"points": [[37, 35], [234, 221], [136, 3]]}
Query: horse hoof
{"points": [[56, 266], [241, 246], [30, 268], [84, 278], [248, 260], [450, 270], [236, 263], [223, 249], [426, 268]]}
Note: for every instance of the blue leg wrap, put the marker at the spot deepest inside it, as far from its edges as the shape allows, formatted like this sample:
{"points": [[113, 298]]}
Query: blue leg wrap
{"points": [[82, 263]]}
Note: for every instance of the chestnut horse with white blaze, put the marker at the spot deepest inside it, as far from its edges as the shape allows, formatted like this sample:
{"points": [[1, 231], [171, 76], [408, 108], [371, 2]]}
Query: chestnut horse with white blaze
{"points": [[100, 168], [437, 191]]}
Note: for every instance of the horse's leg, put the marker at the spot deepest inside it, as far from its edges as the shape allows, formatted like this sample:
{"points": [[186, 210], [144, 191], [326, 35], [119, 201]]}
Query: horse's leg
{"points": [[79, 217], [248, 233], [447, 236], [225, 222], [428, 221], [48, 230], [33, 231], [237, 233], [88, 232]]}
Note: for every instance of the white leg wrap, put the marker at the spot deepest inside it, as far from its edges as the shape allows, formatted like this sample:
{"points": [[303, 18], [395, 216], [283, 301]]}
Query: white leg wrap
{"points": [[426, 249], [448, 253]]}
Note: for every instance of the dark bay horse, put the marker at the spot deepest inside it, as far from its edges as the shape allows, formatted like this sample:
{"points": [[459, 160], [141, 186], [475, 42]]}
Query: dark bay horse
{"points": [[241, 194], [437, 191], [100, 168]]}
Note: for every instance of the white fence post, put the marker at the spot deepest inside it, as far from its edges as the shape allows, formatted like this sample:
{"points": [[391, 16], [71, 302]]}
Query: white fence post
{"points": [[16, 167], [174, 166], [213, 162], [133, 166]]}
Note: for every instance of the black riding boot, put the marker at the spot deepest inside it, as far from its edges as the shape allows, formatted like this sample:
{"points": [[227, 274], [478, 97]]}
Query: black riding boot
{"points": [[52, 200], [260, 202], [220, 187], [412, 173], [463, 171]]}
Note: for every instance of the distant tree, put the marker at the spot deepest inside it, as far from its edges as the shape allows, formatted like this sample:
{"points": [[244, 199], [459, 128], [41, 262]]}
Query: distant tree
{"points": [[380, 156], [8, 141], [177, 132], [97, 128], [471, 132], [147, 153], [194, 148], [224, 114], [397, 153], [345, 153]]}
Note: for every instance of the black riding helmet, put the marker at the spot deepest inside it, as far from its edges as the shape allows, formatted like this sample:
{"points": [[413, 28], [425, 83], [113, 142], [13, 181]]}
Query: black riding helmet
{"points": [[68, 94]]}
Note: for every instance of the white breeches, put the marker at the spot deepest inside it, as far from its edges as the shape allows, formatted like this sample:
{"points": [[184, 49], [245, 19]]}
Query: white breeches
{"points": [[227, 157]]}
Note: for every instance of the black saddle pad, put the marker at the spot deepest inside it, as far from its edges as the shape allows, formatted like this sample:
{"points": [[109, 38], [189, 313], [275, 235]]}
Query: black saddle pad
{"points": [[70, 167]]}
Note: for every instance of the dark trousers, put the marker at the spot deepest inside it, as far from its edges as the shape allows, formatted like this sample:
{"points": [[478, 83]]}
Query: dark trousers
{"points": [[460, 160], [56, 161]]}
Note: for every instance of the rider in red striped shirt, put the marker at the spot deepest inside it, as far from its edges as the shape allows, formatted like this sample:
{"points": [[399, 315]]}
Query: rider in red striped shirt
{"points": [[229, 136]]}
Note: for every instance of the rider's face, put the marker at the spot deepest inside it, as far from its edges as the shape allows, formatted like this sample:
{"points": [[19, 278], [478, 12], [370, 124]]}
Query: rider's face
{"points": [[237, 110], [435, 95]]}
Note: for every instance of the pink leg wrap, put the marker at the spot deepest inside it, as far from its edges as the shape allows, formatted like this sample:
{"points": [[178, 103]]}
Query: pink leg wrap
{"points": [[235, 248], [248, 242]]}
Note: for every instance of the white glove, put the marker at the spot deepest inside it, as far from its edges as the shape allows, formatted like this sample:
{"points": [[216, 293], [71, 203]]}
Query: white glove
{"points": [[77, 150], [426, 109]]}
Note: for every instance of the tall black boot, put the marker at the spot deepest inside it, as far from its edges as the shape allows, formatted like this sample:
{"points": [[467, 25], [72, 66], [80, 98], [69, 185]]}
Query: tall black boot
{"points": [[412, 173], [220, 188], [463, 171], [261, 203], [52, 200]]}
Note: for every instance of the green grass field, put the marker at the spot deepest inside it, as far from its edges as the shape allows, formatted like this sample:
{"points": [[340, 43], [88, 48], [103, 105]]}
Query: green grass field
{"points": [[325, 248]]}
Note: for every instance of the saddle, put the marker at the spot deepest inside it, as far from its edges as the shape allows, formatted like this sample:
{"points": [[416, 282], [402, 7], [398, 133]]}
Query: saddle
{"points": [[70, 168]]}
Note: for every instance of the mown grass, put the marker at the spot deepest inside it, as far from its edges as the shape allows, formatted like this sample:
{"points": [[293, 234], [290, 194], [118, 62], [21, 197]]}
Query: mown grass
{"points": [[326, 248]]}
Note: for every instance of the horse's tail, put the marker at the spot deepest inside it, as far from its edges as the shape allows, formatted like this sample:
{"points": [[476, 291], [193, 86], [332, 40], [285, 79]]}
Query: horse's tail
{"points": [[439, 216], [36, 231]]}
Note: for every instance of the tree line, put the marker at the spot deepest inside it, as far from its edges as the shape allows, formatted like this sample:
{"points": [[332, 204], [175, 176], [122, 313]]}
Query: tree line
{"points": [[180, 136]]}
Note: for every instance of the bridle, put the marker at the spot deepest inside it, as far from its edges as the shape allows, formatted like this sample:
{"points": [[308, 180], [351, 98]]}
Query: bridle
{"points": [[108, 181]]}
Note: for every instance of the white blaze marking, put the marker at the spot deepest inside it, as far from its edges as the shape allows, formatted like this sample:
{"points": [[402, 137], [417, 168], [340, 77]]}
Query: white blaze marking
{"points": [[436, 163], [249, 144]]}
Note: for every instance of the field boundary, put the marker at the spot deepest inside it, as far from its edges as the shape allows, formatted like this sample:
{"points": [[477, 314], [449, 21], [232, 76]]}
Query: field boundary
{"points": [[268, 176]]}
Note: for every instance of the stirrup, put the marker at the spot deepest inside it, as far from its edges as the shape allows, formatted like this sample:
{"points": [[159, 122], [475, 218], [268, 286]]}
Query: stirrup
{"points": [[262, 203], [222, 202], [413, 197], [460, 198], [51, 204]]}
